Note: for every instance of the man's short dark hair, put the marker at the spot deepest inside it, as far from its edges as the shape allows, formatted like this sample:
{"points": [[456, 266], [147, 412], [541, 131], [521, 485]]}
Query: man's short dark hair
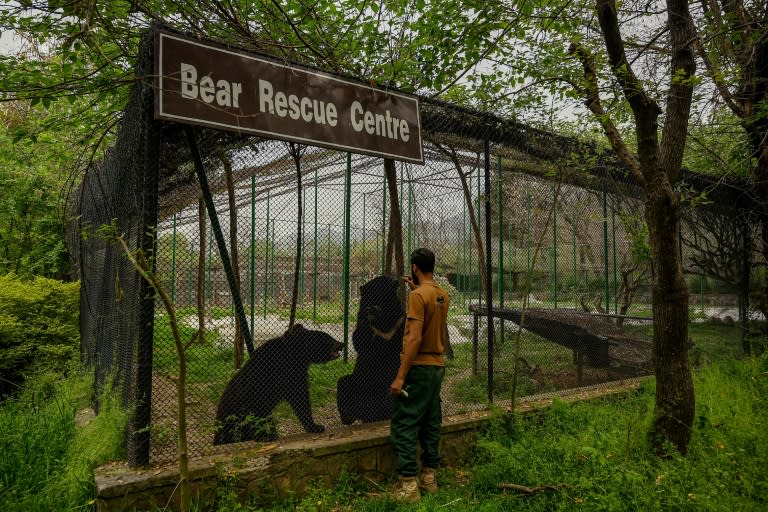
{"points": [[424, 259]]}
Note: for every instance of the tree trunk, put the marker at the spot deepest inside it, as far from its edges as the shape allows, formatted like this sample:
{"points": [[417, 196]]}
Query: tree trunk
{"points": [[675, 399], [296, 154], [395, 240], [239, 341], [657, 167], [201, 271], [471, 213]]}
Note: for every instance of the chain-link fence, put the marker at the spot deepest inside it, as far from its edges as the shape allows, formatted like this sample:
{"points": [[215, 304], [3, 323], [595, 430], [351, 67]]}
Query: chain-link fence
{"points": [[280, 234]]}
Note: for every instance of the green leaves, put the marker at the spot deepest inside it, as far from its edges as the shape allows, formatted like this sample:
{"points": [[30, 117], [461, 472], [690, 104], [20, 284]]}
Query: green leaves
{"points": [[38, 326]]}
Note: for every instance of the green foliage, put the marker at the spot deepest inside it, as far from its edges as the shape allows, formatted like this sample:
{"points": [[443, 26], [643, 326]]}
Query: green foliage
{"points": [[38, 327], [593, 456], [33, 171], [48, 460]]}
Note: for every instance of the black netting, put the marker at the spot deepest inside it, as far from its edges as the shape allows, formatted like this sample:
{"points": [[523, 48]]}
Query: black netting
{"points": [[566, 262], [117, 311]]}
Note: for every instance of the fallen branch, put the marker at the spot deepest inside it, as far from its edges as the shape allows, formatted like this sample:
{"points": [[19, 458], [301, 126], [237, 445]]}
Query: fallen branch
{"points": [[530, 490]]}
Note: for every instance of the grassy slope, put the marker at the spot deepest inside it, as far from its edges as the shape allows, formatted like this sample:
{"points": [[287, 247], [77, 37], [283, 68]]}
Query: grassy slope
{"points": [[594, 455]]}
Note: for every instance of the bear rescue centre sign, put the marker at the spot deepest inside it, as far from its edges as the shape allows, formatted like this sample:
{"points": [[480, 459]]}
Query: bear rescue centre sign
{"points": [[200, 83]]}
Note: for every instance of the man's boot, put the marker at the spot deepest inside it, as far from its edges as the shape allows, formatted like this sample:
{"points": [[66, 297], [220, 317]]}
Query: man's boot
{"points": [[428, 480], [407, 489]]}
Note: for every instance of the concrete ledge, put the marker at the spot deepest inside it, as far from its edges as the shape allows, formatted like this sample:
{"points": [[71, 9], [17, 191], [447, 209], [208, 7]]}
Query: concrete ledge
{"points": [[288, 467]]}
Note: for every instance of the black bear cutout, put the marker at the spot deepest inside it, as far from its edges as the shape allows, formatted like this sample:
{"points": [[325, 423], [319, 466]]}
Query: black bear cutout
{"points": [[277, 371], [378, 340]]}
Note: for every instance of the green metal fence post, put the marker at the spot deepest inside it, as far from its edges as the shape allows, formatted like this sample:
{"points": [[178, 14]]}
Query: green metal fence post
{"points": [[605, 251], [273, 281], [615, 276], [464, 253], [364, 235], [347, 223], [266, 258], [383, 225], [501, 248], [209, 284], [173, 262], [302, 254], [470, 265], [487, 256], [328, 261], [252, 266], [409, 217], [528, 237], [189, 285], [576, 282], [314, 268], [554, 245], [488, 285]]}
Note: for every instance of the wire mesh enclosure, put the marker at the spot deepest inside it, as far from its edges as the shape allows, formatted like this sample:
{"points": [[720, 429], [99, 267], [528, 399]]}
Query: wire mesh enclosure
{"points": [[274, 265]]}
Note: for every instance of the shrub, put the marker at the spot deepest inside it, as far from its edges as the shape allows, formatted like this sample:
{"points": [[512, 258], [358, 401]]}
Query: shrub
{"points": [[38, 328]]}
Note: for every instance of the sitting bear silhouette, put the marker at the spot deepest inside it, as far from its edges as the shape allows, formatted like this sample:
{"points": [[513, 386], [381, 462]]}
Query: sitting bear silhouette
{"points": [[277, 371], [378, 340]]}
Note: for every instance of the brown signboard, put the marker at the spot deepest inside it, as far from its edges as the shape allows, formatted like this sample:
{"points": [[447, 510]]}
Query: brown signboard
{"points": [[204, 84]]}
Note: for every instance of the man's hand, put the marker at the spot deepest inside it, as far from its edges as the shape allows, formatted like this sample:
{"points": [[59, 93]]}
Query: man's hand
{"points": [[409, 282], [397, 386]]}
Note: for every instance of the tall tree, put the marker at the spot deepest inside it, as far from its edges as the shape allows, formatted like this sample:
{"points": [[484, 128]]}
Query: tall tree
{"points": [[296, 150], [733, 45], [634, 71], [234, 255], [450, 152], [657, 167]]}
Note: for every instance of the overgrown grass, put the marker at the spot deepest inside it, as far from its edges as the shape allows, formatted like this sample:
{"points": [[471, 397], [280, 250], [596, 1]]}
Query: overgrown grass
{"points": [[47, 461], [594, 456]]}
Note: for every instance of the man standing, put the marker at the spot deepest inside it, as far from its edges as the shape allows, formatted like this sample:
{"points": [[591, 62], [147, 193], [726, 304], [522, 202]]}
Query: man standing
{"points": [[417, 415]]}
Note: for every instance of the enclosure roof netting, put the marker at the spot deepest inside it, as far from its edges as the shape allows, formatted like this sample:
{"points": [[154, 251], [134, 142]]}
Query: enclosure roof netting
{"points": [[443, 123]]}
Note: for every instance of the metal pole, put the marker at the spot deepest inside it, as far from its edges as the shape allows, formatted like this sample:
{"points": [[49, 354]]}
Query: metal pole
{"points": [[489, 268], [615, 276], [272, 274], [252, 268], [226, 262], [470, 266], [383, 225], [605, 251], [464, 254], [501, 247], [328, 261], [173, 262], [409, 215], [266, 257], [189, 285], [575, 270], [528, 220], [301, 245], [487, 256], [208, 283], [314, 273], [364, 233], [400, 196], [554, 245], [347, 222]]}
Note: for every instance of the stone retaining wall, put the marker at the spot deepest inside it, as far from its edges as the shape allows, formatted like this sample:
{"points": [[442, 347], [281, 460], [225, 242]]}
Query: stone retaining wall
{"points": [[287, 468]]}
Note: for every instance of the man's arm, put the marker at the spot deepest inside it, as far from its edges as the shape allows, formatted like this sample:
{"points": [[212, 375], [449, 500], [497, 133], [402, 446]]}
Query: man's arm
{"points": [[411, 346]]}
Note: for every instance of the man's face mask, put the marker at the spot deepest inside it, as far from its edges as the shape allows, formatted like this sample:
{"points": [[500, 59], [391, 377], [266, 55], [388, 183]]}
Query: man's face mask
{"points": [[413, 276]]}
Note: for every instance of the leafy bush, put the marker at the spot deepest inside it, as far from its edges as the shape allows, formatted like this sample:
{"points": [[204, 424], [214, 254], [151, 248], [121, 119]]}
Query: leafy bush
{"points": [[38, 327]]}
